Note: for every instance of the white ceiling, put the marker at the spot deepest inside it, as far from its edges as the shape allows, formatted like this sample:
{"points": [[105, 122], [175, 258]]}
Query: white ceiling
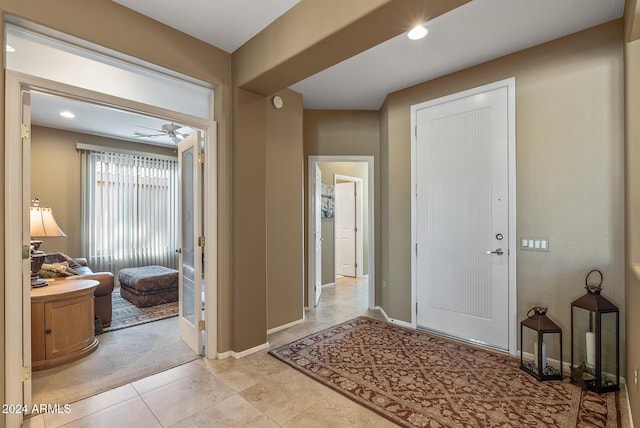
{"points": [[226, 24], [477, 32]]}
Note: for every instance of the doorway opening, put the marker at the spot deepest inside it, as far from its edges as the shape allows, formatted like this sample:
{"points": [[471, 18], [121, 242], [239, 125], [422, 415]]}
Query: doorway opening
{"points": [[17, 201], [325, 173]]}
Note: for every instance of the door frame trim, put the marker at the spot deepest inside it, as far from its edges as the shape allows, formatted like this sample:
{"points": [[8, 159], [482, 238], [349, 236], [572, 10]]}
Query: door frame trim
{"points": [[15, 178], [510, 84], [312, 161]]}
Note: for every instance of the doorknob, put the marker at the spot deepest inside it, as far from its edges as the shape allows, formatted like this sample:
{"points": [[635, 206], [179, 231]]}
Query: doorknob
{"points": [[498, 251], [179, 250]]}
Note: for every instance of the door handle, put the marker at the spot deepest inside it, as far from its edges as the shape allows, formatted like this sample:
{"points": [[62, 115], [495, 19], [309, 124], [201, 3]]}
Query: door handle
{"points": [[179, 250], [498, 251]]}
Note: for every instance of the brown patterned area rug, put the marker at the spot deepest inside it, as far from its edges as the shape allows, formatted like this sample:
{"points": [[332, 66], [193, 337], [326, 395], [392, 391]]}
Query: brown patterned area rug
{"points": [[416, 379], [126, 314]]}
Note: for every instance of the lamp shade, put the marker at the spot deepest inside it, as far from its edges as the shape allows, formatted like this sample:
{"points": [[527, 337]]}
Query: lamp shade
{"points": [[43, 224]]}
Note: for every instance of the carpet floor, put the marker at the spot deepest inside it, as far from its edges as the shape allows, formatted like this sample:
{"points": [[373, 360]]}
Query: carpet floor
{"points": [[126, 314], [122, 357], [416, 379]]}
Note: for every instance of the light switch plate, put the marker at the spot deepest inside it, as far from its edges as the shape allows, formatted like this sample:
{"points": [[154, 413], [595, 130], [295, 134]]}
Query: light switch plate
{"points": [[534, 244]]}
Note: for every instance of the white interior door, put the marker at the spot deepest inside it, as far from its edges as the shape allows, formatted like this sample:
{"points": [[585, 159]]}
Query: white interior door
{"points": [[345, 228], [318, 236], [191, 242], [26, 239], [462, 217]]}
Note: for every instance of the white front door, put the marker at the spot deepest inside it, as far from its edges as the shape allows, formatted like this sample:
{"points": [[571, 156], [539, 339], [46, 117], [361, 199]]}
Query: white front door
{"points": [[191, 241], [462, 217], [345, 229]]}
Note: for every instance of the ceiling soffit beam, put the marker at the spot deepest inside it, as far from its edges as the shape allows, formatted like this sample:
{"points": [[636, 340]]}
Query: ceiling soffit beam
{"points": [[632, 20], [315, 35]]}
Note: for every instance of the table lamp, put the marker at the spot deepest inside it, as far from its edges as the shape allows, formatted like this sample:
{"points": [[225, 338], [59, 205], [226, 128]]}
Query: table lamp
{"points": [[42, 225]]}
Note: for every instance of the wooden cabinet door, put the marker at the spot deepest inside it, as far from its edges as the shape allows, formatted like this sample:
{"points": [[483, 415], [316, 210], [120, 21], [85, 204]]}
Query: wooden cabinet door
{"points": [[68, 325]]}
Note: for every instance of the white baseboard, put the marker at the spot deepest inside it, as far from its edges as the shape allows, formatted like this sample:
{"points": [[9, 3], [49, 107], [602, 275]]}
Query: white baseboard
{"points": [[626, 391], [223, 355], [236, 355], [393, 320], [328, 284], [250, 351], [285, 326]]}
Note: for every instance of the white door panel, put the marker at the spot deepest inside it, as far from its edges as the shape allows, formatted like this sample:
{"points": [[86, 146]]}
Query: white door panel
{"points": [[318, 236], [462, 208], [190, 260], [345, 229]]}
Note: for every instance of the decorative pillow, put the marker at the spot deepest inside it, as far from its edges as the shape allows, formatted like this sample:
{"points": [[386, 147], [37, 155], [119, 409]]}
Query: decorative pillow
{"points": [[59, 257], [56, 270]]}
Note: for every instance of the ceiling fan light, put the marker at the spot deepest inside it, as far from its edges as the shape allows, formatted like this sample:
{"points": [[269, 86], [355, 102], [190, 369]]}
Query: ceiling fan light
{"points": [[418, 32]]}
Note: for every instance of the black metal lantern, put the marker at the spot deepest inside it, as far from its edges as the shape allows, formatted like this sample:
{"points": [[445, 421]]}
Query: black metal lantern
{"points": [[595, 340], [541, 346]]}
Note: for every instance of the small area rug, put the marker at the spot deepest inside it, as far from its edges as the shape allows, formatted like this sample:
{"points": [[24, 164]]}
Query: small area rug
{"points": [[416, 379], [126, 314]]}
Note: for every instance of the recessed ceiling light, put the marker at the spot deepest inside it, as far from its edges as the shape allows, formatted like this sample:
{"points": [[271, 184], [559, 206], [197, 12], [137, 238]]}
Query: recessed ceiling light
{"points": [[417, 33], [10, 48], [67, 114]]}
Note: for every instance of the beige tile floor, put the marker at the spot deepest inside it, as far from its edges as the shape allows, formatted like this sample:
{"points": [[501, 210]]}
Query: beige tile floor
{"points": [[254, 391]]}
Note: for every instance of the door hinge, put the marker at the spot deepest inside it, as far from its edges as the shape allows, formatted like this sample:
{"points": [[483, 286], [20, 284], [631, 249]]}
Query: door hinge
{"points": [[355, 265], [25, 130], [26, 252], [416, 308], [355, 229], [416, 249], [201, 325], [201, 158], [355, 193], [415, 130], [26, 373], [201, 241]]}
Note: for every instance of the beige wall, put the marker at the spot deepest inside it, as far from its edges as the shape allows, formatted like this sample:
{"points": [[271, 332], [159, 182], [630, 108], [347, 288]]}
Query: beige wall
{"points": [[343, 133], [284, 180], [569, 126], [351, 169], [249, 276], [632, 187], [56, 179]]}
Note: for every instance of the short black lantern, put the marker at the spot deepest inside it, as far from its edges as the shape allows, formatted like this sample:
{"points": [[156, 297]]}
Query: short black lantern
{"points": [[595, 340], [540, 346]]}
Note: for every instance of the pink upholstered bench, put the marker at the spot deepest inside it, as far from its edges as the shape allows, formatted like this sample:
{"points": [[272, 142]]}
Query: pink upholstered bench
{"points": [[149, 285]]}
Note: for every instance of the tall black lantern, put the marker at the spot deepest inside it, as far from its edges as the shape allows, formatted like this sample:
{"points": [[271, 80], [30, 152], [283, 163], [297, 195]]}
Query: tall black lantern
{"points": [[541, 342], [595, 340]]}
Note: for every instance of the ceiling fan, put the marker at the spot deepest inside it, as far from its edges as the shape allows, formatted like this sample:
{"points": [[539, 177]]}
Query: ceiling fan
{"points": [[168, 129]]}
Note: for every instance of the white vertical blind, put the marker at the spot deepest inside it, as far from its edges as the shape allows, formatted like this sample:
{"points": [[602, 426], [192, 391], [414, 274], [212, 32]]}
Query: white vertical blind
{"points": [[130, 215]]}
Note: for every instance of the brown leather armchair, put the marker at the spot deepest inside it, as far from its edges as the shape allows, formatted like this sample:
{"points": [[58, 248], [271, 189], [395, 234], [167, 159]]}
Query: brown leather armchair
{"points": [[102, 293]]}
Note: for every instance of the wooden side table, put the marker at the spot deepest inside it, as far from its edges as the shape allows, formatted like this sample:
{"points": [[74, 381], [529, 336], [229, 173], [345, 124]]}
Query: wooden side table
{"points": [[62, 323]]}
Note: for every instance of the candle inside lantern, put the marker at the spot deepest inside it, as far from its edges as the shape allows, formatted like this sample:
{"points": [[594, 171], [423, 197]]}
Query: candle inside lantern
{"points": [[544, 354], [591, 348]]}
